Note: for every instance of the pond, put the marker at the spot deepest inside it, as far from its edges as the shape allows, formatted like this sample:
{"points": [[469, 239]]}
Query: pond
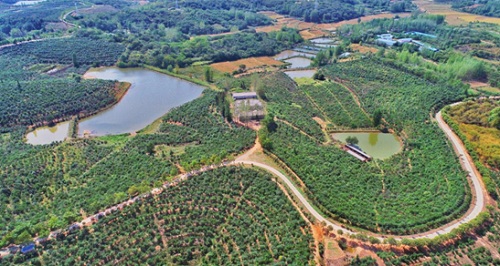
{"points": [[299, 62], [151, 95], [322, 40], [290, 53], [378, 145], [47, 135], [301, 73]]}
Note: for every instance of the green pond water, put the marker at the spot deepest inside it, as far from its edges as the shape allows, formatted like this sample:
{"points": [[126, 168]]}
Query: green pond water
{"points": [[377, 145], [47, 135]]}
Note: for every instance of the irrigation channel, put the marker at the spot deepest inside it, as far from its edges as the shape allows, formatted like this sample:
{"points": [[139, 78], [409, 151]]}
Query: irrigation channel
{"points": [[477, 205]]}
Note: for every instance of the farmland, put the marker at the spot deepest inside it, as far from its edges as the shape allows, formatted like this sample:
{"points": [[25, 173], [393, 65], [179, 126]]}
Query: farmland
{"points": [[225, 217], [42, 82], [239, 215], [48, 187], [384, 190], [249, 63]]}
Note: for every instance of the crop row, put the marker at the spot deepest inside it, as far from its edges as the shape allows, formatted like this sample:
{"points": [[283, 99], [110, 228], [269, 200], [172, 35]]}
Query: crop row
{"points": [[48, 187], [226, 216], [338, 104], [413, 191]]}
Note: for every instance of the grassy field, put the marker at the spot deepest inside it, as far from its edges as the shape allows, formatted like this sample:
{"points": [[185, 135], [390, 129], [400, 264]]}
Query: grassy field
{"points": [[453, 17], [251, 62]]}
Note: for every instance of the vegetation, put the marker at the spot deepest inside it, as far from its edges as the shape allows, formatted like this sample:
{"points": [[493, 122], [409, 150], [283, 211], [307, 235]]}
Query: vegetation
{"points": [[398, 201], [481, 7], [51, 186], [225, 216], [40, 85]]}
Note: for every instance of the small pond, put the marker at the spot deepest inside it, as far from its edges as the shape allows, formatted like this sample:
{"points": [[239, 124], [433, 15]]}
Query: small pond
{"points": [[378, 145], [47, 135], [301, 73], [299, 62], [322, 40], [289, 53]]}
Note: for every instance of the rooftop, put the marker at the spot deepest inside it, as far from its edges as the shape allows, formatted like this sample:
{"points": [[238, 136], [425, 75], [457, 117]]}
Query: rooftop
{"points": [[244, 95]]}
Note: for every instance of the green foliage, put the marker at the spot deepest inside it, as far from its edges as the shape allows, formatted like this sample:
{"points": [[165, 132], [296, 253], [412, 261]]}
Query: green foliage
{"points": [[482, 7], [396, 201], [32, 97], [377, 117], [494, 118], [226, 216], [352, 140], [287, 102], [41, 183]]}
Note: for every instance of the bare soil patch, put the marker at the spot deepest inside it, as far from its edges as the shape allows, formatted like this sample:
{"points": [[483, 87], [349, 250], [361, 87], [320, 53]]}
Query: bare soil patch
{"points": [[363, 49], [251, 62]]}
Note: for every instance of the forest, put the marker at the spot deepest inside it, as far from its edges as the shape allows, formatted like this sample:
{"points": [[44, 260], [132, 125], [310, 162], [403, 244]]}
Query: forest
{"points": [[48, 187], [226, 216], [409, 186], [41, 82], [481, 7]]}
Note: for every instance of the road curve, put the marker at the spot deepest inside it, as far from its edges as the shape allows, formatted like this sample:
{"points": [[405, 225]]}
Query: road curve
{"points": [[478, 202]]}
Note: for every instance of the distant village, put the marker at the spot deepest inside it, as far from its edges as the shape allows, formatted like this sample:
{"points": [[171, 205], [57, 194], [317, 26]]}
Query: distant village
{"points": [[388, 40]]}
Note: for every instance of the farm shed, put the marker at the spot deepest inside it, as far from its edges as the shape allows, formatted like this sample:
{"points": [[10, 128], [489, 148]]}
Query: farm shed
{"points": [[244, 95], [357, 152], [28, 248]]}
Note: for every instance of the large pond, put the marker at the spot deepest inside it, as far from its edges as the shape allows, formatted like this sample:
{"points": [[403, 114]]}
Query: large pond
{"points": [[151, 95], [301, 73], [377, 145], [299, 62], [47, 135]]}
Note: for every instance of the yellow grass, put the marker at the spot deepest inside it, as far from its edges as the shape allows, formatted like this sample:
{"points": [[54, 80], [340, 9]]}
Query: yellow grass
{"points": [[363, 49], [486, 141], [453, 17], [251, 62], [309, 30]]}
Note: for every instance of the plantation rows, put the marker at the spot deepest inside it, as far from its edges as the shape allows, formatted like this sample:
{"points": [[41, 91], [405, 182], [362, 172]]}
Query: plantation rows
{"points": [[51, 186], [33, 98], [228, 216], [86, 51], [413, 191], [338, 104], [286, 101]]}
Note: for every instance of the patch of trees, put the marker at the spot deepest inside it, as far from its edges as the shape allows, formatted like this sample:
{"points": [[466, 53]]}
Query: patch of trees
{"points": [[287, 102], [489, 8], [54, 184], [213, 49], [226, 216], [406, 188], [31, 96]]}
